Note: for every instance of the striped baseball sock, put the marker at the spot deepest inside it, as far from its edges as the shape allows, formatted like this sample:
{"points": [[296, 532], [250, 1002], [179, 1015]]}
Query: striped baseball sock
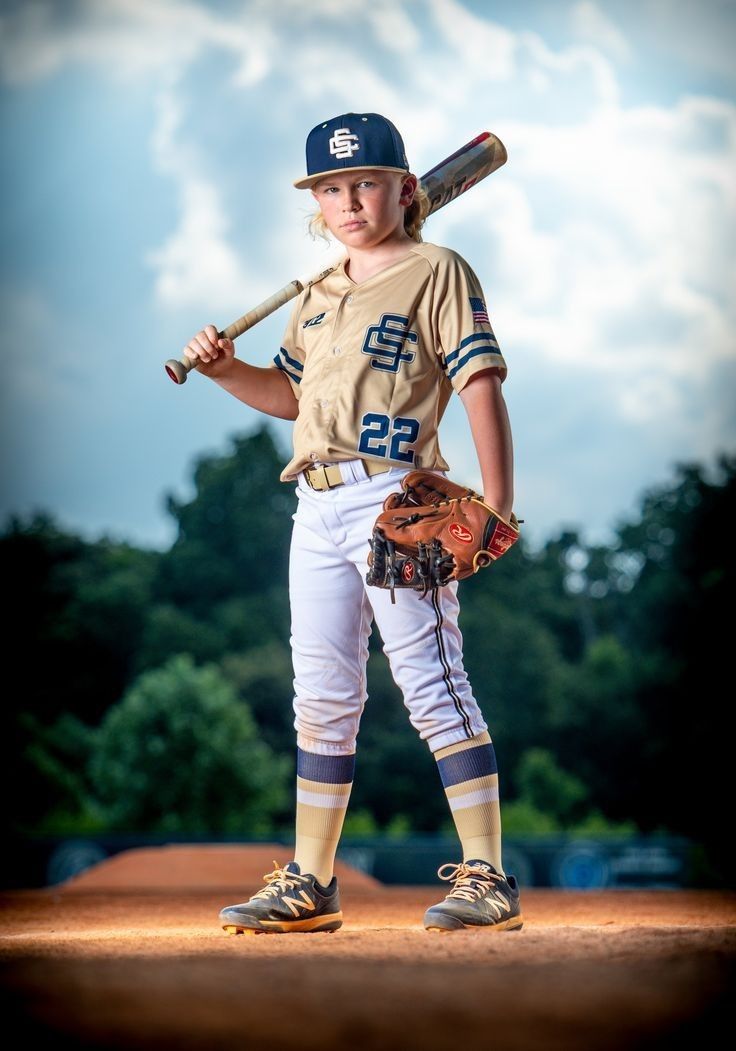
{"points": [[323, 784], [470, 778]]}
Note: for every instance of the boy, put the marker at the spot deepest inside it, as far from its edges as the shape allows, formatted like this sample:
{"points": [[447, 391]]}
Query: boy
{"points": [[371, 355]]}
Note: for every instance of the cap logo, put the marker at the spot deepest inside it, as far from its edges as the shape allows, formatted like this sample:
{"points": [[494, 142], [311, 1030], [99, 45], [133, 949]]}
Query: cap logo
{"points": [[344, 144]]}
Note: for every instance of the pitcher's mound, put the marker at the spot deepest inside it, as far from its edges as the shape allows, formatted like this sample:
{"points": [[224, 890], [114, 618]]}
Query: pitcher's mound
{"points": [[215, 866]]}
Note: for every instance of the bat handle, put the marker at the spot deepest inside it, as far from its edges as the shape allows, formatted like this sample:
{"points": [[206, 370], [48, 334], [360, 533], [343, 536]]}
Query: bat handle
{"points": [[177, 369]]}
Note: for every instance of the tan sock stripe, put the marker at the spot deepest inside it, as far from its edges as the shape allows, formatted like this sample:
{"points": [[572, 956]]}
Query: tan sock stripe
{"points": [[321, 801], [477, 821], [460, 746], [319, 822], [474, 799], [322, 794]]}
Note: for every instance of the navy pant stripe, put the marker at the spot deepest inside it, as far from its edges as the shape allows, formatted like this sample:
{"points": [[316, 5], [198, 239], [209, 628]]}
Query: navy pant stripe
{"points": [[447, 673]]}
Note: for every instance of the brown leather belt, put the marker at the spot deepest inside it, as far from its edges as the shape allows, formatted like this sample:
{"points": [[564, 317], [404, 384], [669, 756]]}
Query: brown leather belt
{"points": [[323, 478]]}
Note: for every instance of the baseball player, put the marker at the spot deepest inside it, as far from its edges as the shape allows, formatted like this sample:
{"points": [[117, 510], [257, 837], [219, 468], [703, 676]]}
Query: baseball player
{"points": [[370, 358]]}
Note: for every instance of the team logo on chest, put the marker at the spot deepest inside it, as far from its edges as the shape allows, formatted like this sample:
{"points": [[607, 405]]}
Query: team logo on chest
{"points": [[316, 320], [386, 342]]}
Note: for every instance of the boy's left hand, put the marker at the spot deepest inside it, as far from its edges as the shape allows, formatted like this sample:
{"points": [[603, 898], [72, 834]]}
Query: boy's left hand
{"points": [[433, 532]]}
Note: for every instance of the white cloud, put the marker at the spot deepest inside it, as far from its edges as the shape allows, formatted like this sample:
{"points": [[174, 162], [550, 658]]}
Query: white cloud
{"points": [[544, 61], [477, 48], [393, 27], [592, 25], [197, 264], [126, 38], [697, 35], [635, 249]]}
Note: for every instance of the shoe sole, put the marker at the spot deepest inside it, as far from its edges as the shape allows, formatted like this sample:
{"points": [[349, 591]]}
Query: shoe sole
{"points": [[315, 925], [447, 924]]}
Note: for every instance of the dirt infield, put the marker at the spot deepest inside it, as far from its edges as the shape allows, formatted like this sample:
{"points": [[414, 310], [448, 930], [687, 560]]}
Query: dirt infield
{"points": [[129, 955]]}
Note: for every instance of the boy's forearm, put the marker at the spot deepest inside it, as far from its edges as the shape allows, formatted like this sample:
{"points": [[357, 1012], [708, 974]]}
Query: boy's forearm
{"points": [[265, 389], [491, 430]]}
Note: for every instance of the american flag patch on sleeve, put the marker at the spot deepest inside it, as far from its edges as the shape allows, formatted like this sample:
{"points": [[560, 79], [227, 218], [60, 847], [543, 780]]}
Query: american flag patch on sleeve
{"points": [[480, 314]]}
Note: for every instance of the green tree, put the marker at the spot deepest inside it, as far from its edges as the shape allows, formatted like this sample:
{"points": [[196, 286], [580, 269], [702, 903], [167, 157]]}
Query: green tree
{"points": [[263, 676], [57, 757], [78, 611], [181, 754], [596, 725], [546, 786], [233, 536], [675, 618]]}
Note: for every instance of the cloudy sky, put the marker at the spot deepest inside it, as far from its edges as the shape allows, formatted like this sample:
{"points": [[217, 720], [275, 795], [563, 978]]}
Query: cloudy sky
{"points": [[150, 148]]}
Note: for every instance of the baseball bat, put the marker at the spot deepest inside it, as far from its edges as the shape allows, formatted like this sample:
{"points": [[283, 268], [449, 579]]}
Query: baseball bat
{"points": [[443, 183]]}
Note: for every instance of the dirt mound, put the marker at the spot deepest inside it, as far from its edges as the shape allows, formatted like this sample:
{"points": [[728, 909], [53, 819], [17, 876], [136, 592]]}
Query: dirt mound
{"points": [[130, 956], [205, 867], [116, 970]]}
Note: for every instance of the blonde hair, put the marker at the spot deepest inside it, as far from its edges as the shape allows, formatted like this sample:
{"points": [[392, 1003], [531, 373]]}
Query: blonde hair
{"points": [[414, 217]]}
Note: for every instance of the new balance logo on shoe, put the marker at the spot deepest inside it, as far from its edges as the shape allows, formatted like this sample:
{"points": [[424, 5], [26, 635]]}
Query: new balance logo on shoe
{"points": [[295, 904]]}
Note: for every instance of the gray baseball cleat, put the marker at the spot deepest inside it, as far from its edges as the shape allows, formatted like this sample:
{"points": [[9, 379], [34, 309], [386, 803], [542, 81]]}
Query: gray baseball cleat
{"points": [[290, 902], [481, 897]]}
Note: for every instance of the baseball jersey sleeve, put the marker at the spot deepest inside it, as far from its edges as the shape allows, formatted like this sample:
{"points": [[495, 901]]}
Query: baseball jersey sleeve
{"points": [[290, 358], [465, 340]]}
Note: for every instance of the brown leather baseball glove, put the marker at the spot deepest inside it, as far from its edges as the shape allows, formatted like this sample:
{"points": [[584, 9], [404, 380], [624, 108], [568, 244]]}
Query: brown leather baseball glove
{"points": [[435, 531]]}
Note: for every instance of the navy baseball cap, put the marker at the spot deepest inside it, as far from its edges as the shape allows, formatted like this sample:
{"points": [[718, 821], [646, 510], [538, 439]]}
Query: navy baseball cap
{"points": [[353, 140]]}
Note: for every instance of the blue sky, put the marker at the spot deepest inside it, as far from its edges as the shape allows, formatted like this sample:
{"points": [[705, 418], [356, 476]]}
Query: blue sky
{"points": [[147, 189]]}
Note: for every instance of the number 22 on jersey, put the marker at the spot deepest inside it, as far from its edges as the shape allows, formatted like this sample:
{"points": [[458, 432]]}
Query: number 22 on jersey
{"points": [[377, 428]]}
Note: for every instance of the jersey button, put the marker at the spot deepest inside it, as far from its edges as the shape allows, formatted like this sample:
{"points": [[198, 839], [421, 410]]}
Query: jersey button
{"points": [[349, 299], [313, 456], [336, 351], [323, 403]]}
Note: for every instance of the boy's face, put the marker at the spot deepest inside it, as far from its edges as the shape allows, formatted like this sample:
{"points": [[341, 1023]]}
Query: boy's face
{"points": [[363, 209]]}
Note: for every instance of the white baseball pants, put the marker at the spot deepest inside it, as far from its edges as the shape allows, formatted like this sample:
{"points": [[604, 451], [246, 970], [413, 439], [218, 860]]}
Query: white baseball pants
{"points": [[331, 613]]}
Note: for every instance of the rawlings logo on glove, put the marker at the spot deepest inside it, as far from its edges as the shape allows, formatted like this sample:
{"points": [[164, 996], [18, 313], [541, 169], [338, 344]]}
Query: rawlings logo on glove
{"points": [[435, 531]]}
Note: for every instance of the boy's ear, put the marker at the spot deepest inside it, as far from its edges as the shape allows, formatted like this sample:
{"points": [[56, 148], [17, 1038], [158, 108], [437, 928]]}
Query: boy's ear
{"points": [[408, 189]]}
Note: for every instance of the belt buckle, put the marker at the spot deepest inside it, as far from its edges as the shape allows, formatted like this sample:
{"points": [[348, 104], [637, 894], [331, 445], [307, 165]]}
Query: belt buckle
{"points": [[315, 470]]}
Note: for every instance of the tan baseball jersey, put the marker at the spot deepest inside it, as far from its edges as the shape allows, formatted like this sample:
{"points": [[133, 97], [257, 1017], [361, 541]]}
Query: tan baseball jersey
{"points": [[373, 364]]}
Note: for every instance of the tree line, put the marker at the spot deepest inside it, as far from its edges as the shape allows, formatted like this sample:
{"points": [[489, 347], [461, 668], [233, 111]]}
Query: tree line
{"points": [[151, 690]]}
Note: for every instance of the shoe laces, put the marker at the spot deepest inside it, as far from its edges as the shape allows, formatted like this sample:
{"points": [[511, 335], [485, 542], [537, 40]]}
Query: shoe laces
{"points": [[472, 883], [279, 881]]}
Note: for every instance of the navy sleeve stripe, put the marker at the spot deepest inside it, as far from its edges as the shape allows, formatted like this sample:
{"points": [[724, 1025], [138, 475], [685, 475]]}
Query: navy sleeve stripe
{"points": [[477, 337], [291, 375], [292, 361], [472, 354]]}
